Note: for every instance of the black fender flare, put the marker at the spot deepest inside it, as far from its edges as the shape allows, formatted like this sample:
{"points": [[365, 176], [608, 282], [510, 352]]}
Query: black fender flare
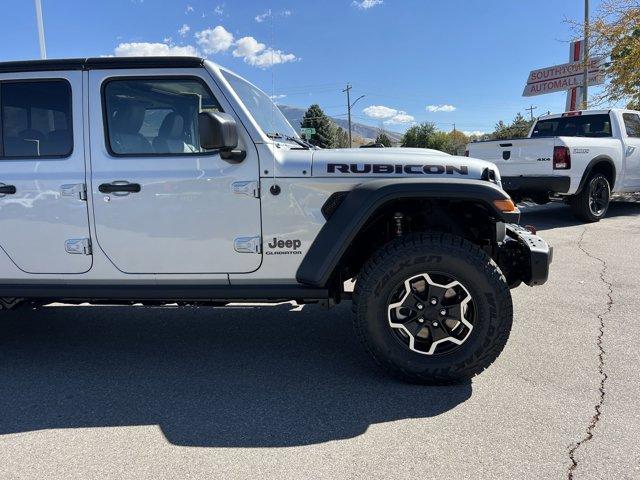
{"points": [[360, 203], [592, 163]]}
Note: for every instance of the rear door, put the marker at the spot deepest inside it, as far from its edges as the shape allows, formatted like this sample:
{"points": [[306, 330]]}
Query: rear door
{"points": [[162, 204], [44, 225]]}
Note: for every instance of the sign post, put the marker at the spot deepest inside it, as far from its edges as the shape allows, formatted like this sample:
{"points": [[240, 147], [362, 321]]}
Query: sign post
{"points": [[568, 76]]}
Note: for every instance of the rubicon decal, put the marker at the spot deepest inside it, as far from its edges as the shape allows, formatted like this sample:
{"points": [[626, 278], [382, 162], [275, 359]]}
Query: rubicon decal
{"points": [[385, 168], [284, 247]]}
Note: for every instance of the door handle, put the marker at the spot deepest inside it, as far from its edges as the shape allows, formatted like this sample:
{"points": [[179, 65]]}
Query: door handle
{"points": [[120, 187], [7, 189]]}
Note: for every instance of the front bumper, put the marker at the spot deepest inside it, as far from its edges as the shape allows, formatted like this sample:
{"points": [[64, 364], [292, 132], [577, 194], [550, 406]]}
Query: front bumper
{"points": [[525, 256], [536, 184]]}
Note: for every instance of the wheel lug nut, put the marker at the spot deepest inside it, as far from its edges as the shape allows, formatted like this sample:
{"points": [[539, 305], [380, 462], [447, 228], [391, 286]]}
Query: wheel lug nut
{"points": [[443, 312], [434, 301], [421, 320], [435, 324], [419, 306]]}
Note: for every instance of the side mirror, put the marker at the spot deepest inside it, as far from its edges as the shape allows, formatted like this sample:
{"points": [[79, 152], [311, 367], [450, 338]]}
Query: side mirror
{"points": [[218, 131]]}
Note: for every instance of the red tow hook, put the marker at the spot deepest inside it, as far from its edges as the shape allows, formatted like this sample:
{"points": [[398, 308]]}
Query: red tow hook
{"points": [[531, 229]]}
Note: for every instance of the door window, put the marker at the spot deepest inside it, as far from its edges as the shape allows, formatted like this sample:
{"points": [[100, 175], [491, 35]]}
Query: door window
{"points": [[154, 117], [36, 119], [632, 124]]}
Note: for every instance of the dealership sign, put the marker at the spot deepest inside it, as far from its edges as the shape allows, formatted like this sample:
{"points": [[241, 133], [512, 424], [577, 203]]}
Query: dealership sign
{"points": [[563, 77]]}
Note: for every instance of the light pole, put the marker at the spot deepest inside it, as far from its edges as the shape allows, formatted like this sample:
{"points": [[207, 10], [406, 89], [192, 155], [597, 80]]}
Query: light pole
{"points": [[43, 48], [585, 75], [349, 107]]}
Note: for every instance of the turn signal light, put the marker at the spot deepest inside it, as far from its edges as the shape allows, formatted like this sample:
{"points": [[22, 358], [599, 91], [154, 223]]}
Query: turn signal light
{"points": [[505, 205]]}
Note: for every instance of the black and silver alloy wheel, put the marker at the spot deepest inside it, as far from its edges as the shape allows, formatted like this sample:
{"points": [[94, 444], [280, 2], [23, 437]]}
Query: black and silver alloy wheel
{"points": [[598, 195], [591, 203], [432, 314], [432, 308]]}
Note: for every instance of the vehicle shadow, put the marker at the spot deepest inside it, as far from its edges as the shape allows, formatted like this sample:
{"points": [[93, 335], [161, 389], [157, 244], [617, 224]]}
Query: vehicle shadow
{"points": [[559, 215], [228, 377]]}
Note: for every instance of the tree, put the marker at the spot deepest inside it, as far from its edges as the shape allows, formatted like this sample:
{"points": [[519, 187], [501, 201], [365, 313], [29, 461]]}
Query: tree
{"points": [[458, 142], [419, 136], [326, 130], [519, 128], [615, 33], [383, 139], [342, 139], [425, 135]]}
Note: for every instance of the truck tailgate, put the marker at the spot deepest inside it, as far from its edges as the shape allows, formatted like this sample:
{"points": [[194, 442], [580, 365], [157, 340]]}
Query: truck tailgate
{"points": [[518, 157]]}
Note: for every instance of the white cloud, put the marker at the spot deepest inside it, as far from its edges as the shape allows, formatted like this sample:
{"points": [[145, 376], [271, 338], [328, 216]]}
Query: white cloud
{"points": [[400, 118], [379, 112], [440, 108], [277, 97], [248, 47], [474, 133], [269, 58], [286, 13], [219, 10], [184, 29], [258, 55], [263, 16], [366, 4], [214, 40], [146, 49], [188, 10]]}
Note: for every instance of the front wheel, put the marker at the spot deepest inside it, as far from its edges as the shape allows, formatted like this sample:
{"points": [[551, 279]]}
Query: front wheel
{"points": [[432, 309], [592, 202]]}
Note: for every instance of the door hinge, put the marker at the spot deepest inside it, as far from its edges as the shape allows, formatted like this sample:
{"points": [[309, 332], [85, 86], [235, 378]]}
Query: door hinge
{"points": [[77, 190], [250, 187], [248, 244], [78, 246]]}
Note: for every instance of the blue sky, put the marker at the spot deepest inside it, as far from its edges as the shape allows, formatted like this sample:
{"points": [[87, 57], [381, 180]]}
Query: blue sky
{"points": [[467, 59]]}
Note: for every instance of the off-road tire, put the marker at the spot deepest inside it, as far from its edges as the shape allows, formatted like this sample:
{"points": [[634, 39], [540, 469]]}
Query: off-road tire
{"points": [[581, 201], [422, 253], [9, 303]]}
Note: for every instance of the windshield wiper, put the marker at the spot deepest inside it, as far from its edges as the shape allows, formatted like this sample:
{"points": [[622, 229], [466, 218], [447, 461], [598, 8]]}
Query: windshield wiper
{"points": [[290, 138]]}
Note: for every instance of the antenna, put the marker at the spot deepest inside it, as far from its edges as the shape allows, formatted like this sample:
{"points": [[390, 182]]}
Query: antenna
{"points": [[43, 48]]}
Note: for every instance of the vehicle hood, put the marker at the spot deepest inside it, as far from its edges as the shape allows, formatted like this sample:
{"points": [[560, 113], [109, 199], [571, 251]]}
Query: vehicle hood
{"points": [[397, 162]]}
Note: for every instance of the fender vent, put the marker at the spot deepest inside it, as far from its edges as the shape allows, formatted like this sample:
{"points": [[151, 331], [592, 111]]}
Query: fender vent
{"points": [[332, 204]]}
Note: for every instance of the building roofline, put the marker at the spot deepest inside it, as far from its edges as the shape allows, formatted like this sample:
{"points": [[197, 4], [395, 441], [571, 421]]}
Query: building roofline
{"points": [[100, 63]]}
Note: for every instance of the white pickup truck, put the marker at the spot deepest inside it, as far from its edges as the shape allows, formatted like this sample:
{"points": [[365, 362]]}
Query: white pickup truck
{"points": [[581, 156]]}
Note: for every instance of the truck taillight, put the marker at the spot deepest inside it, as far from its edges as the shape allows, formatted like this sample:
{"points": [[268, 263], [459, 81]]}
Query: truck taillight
{"points": [[561, 158]]}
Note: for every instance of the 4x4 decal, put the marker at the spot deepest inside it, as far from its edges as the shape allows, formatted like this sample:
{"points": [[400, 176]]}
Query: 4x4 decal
{"points": [[385, 168]]}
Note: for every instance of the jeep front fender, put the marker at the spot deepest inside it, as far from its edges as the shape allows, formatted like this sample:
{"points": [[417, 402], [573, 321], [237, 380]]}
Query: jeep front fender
{"points": [[360, 203]]}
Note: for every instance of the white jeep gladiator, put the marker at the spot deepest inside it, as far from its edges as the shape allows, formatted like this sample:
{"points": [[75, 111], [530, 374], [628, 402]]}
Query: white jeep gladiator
{"points": [[581, 156], [172, 180]]}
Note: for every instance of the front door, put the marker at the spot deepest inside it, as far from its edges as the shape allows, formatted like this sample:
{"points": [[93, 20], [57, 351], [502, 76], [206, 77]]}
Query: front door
{"points": [[44, 223], [631, 150], [162, 204]]}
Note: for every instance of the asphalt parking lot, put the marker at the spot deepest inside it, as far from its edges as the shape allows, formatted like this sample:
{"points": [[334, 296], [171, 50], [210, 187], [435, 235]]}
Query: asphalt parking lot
{"points": [[283, 392]]}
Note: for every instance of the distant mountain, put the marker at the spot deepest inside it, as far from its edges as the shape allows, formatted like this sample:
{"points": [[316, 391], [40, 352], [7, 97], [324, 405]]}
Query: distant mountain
{"points": [[295, 115]]}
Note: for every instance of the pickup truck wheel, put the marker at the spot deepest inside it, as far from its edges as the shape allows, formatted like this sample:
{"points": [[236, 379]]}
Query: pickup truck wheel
{"points": [[432, 309], [592, 203]]}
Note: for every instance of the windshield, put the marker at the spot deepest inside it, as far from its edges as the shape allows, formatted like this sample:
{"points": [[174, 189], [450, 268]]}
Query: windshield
{"points": [[266, 114], [598, 125]]}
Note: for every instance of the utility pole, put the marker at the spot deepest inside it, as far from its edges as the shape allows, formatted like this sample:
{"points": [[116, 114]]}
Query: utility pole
{"points": [[43, 48], [531, 109], [348, 90], [349, 107], [585, 75]]}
